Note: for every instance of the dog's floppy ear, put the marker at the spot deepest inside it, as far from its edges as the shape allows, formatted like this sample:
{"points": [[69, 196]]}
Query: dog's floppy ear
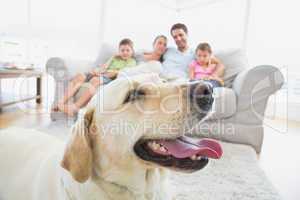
{"points": [[78, 156]]}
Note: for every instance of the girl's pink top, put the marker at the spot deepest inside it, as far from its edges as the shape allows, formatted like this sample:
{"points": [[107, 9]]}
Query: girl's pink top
{"points": [[201, 72]]}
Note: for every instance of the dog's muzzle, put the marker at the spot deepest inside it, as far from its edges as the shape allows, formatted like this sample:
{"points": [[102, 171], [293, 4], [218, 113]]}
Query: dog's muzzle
{"points": [[201, 98], [184, 153]]}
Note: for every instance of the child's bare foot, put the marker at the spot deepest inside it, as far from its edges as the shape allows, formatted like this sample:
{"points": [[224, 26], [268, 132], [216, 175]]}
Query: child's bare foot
{"points": [[55, 108], [69, 109]]}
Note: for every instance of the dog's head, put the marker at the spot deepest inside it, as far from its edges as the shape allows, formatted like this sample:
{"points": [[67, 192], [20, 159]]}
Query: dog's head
{"points": [[141, 122]]}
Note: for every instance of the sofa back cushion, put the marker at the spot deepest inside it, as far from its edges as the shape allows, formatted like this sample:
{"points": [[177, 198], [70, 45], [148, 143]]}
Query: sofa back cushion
{"points": [[106, 51], [77, 66], [235, 61]]}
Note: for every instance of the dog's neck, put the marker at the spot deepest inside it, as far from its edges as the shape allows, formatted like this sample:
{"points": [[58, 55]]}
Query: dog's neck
{"points": [[148, 184]]}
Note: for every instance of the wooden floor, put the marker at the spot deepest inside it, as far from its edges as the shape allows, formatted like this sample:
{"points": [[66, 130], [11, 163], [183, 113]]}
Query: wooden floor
{"points": [[29, 117], [279, 158]]}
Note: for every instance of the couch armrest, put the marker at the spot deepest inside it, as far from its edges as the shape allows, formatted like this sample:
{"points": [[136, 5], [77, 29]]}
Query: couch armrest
{"points": [[62, 70], [224, 105], [66, 68], [253, 88], [57, 69]]}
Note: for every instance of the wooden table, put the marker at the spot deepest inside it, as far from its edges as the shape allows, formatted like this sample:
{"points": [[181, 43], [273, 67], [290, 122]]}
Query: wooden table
{"points": [[6, 100]]}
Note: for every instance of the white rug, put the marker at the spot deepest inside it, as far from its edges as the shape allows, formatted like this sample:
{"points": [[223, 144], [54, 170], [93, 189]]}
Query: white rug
{"points": [[237, 176]]}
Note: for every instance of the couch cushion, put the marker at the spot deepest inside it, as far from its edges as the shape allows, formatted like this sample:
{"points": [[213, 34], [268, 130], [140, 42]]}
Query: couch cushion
{"points": [[143, 68], [235, 61], [224, 103], [225, 98]]}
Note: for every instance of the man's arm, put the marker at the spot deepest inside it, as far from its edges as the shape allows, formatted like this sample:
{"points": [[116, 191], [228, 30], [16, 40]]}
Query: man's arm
{"points": [[191, 72], [220, 68]]}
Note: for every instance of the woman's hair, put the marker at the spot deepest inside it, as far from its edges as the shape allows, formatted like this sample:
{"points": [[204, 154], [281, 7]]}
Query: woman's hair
{"points": [[159, 36], [126, 41], [204, 47], [155, 39]]}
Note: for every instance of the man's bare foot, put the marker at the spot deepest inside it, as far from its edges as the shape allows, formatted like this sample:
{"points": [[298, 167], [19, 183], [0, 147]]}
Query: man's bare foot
{"points": [[69, 109]]}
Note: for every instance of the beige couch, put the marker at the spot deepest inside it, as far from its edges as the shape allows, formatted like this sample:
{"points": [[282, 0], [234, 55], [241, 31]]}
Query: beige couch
{"points": [[238, 108]]}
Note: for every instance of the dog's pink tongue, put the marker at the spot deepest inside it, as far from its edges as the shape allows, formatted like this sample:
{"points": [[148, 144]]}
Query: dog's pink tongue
{"points": [[185, 147]]}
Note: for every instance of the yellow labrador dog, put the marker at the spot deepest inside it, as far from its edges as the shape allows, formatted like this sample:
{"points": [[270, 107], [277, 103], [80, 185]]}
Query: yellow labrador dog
{"points": [[121, 147]]}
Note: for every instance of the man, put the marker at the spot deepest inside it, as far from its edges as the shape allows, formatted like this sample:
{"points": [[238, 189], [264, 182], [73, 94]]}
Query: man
{"points": [[176, 60]]}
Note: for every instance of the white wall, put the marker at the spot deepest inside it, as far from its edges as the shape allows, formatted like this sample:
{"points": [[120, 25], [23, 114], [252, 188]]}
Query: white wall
{"points": [[72, 27], [220, 23], [44, 28], [34, 30], [61, 27], [274, 32], [274, 39]]}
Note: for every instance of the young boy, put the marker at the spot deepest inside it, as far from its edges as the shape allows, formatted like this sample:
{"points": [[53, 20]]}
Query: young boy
{"points": [[99, 76]]}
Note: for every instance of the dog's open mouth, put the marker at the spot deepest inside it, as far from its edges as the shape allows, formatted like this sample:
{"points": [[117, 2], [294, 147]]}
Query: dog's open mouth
{"points": [[183, 153]]}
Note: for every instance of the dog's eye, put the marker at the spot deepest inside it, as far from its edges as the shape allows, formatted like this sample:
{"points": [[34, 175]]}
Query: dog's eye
{"points": [[134, 95]]}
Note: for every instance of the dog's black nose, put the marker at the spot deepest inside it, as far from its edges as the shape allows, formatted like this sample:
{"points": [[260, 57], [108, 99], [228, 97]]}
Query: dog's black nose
{"points": [[201, 96]]}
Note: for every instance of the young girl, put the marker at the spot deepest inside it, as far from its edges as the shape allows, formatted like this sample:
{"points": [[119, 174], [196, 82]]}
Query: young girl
{"points": [[98, 76], [206, 66]]}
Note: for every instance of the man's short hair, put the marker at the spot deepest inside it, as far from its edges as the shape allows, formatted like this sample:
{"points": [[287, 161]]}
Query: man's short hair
{"points": [[179, 26]]}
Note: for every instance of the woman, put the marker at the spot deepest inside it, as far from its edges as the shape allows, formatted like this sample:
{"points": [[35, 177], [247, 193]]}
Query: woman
{"points": [[159, 48]]}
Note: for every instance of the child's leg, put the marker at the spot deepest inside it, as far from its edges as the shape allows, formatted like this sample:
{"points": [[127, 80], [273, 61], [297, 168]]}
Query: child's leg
{"points": [[73, 87], [71, 109], [89, 93]]}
